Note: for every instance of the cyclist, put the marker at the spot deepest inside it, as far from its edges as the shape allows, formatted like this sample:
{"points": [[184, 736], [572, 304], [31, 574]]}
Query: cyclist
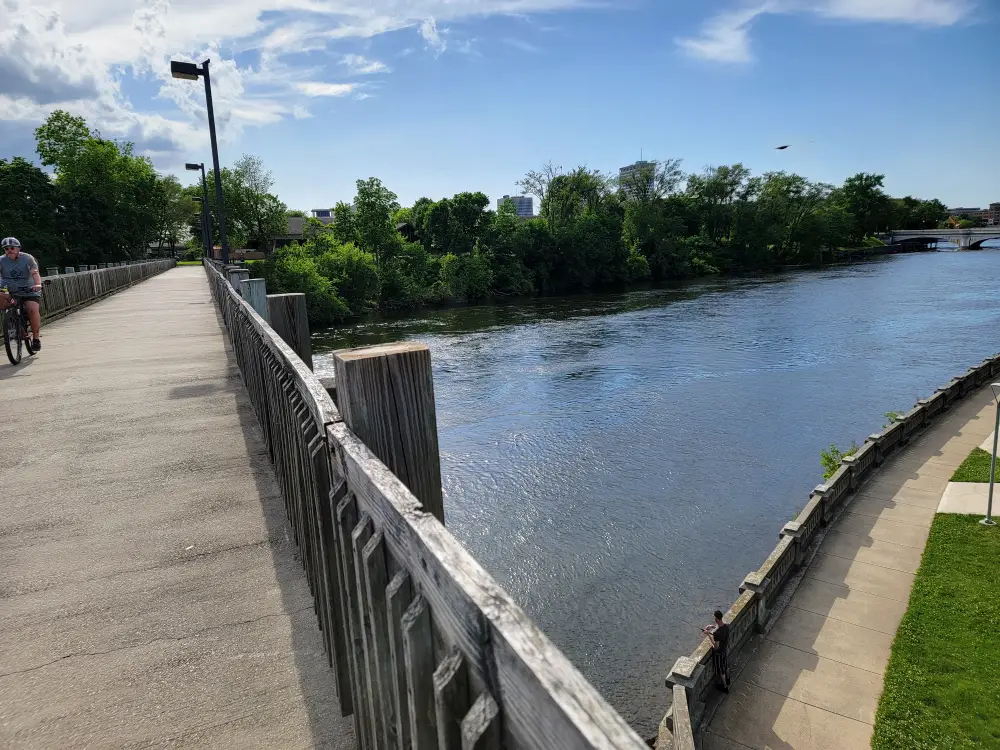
{"points": [[19, 272]]}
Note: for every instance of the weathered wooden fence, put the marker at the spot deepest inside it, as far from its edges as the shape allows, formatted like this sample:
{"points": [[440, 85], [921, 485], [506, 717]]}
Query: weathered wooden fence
{"points": [[692, 677], [428, 651], [64, 294]]}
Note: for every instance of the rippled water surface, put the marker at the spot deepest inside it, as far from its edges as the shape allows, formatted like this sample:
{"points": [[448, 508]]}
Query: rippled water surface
{"points": [[620, 462]]}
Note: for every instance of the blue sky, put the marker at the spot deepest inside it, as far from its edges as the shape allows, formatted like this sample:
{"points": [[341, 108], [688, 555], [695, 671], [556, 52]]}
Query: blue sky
{"points": [[439, 96]]}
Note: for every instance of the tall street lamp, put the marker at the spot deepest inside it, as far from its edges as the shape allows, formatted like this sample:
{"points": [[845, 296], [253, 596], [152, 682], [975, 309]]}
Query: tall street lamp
{"points": [[205, 231], [206, 221], [988, 521], [190, 72]]}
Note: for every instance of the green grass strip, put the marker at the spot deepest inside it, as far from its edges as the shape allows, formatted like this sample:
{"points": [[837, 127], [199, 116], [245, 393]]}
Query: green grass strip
{"points": [[942, 685], [975, 468]]}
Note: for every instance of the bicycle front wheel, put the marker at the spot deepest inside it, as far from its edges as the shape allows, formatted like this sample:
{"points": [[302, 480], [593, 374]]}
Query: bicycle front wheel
{"points": [[12, 335]]}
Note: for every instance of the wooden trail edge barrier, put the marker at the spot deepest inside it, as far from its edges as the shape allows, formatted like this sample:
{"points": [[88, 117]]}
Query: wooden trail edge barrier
{"points": [[429, 652], [62, 295]]}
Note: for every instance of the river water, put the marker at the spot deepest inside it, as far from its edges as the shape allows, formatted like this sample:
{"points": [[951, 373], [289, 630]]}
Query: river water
{"points": [[619, 462]]}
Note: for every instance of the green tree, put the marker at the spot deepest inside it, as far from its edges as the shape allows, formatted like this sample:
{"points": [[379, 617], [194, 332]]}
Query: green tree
{"points": [[30, 210], [862, 196], [345, 228], [375, 205], [255, 213]]}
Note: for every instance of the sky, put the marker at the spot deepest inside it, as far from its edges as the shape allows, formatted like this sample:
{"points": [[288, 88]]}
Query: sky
{"points": [[436, 97]]}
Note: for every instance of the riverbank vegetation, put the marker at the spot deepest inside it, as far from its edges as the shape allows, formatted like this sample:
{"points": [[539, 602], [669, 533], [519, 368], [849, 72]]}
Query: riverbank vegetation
{"points": [[102, 202], [593, 232], [941, 688]]}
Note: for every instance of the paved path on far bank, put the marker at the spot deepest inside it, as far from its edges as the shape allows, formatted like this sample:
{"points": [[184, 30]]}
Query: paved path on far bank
{"points": [[150, 595], [815, 681]]}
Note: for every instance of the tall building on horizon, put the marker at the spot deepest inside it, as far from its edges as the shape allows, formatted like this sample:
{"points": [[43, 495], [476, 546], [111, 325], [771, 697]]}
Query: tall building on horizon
{"points": [[627, 175], [523, 204]]}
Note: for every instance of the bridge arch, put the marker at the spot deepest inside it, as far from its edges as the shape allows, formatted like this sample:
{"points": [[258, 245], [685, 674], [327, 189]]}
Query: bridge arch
{"points": [[978, 244]]}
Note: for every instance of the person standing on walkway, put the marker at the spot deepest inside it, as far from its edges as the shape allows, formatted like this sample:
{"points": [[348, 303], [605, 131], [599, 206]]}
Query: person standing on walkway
{"points": [[719, 635]]}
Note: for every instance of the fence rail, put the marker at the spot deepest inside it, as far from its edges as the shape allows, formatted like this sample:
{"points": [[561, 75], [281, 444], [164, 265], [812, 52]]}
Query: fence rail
{"points": [[691, 677], [428, 650], [64, 294]]}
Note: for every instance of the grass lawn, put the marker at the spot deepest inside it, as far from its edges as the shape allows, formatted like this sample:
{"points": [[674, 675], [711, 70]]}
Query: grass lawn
{"points": [[942, 685], [189, 262], [975, 468]]}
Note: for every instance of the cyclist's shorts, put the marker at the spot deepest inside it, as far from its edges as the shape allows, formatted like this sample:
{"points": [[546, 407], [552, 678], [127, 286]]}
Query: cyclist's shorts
{"points": [[36, 296]]}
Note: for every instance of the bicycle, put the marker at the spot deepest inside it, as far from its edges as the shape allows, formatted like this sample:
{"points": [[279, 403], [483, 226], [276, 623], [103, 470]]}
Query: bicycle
{"points": [[16, 330]]}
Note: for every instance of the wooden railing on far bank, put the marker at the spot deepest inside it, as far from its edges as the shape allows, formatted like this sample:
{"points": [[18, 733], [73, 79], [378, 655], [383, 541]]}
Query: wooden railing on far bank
{"points": [[65, 293], [691, 678], [427, 649]]}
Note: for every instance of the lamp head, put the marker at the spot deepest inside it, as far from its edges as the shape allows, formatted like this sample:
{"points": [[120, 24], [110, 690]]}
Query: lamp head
{"points": [[186, 70], [193, 167]]}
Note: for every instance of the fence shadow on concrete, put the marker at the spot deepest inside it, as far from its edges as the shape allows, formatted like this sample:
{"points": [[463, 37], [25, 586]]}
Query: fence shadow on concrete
{"points": [[328, 728]]}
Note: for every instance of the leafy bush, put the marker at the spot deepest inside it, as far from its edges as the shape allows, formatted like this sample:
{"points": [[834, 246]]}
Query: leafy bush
{"points": [[830, 459], [353, 275], [293, 269]]}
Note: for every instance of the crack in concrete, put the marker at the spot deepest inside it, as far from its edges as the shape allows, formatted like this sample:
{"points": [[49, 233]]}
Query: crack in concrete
{"points": [[175, 639]]}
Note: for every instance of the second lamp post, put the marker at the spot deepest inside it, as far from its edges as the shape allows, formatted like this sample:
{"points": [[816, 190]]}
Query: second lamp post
{"points": [[191, 72]]}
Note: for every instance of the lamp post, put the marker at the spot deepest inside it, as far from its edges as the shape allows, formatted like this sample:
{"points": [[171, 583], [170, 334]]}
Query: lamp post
{"points": [[205, 232], [190, 72], [988, 521], [206, 220]]}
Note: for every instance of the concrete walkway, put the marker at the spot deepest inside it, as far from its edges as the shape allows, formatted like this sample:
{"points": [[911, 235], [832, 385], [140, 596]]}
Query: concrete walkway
{"points": [[150, 595], [815, 680]]}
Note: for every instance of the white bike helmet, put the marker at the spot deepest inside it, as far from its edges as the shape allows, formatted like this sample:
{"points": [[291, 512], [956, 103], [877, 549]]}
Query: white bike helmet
{"points": [[9, 242]]}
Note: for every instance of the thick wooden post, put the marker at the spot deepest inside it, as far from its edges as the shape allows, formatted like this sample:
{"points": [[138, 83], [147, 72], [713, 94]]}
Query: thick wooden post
{"points": [[52, 271], [254, 291], [70, 269], [289, 319], [236, 275], [386, 396]]}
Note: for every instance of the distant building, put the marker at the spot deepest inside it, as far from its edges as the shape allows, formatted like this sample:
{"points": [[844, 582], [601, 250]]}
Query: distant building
{"points": [[993, 219], [523, 204], [322, 213], [627, 176], [972, 213]]}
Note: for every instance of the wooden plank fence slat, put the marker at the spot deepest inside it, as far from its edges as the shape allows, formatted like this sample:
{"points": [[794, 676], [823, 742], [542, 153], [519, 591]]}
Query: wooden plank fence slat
{"points": [[451, 700], [383, 681], [399, 595], [481, 725], [418, 654]]}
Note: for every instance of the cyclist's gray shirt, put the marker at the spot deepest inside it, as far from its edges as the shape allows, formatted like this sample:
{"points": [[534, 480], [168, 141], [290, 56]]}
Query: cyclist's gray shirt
{"points": [[17, 273]]}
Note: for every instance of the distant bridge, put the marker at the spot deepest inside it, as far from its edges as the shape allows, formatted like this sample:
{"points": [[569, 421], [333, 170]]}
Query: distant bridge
{"points": [[966, 239]]}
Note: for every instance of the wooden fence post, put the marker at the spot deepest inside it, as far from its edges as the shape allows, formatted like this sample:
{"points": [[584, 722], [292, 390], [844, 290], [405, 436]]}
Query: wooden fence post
{"points": [[386, 396], [288, 317], [52, 271], [254, 291], [70, 269], [236, 275]]}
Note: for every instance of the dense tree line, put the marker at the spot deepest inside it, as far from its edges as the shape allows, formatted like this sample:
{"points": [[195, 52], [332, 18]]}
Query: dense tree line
{"points": [[593, 232], [103, 202]]}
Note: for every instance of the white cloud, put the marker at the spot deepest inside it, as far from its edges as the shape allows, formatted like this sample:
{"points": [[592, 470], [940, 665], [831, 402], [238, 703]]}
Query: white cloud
{"points": [[429, 31], [360, 65], [725, 37], [522, 45], [83, 55], [318, 88]]}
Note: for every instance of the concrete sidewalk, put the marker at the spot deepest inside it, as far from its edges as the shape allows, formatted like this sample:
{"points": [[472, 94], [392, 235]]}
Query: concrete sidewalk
{"points": [[150, 595], [815, 680]]}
